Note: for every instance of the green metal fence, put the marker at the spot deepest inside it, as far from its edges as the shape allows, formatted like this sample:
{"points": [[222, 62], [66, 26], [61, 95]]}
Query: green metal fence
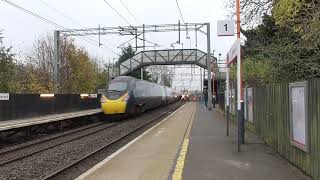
{"points": [[271, 121]]}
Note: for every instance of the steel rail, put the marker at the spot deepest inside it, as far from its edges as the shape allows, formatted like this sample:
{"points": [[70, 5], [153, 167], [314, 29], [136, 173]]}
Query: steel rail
{"points": [[50, 146], [25, 144]]}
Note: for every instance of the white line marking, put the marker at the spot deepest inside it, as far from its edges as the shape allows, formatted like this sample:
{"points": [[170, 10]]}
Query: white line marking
{"points": [[106, 160], [11, 124]]}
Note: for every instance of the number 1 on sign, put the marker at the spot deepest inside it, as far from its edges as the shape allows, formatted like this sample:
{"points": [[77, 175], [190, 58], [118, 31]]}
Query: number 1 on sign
{"points": [[225, 28]]}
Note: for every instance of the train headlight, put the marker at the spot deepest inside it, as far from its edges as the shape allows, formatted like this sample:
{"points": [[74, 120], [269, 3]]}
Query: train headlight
{"points": [[103, 99]]}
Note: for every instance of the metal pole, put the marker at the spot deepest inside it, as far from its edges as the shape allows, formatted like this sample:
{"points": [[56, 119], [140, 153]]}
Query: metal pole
{"points": [[239, 76], [144, 48], [204, 77], [56, 61], [99, 36], [209, 67], [141, 73], [227, 96], [213, 77], [196, 36], [179, 31], [143, 36], [187, 31], [239, 110], [136, 37], [109, 71], [113, 68], [201, 88]]}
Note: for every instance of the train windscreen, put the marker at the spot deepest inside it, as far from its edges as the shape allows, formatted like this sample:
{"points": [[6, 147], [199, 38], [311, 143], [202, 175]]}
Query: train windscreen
{"points": [[116, 90], [118, 86]]}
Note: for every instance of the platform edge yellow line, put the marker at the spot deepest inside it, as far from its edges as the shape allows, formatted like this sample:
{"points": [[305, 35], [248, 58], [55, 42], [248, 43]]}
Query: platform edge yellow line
{"points": [[177, 174]]}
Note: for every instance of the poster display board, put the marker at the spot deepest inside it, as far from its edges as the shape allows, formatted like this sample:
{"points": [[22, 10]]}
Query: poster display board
{"points": [[299, 115]]}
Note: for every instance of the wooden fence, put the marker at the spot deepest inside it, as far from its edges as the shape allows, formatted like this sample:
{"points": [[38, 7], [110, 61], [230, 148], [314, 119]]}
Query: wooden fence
{"points": [[271, 122]]}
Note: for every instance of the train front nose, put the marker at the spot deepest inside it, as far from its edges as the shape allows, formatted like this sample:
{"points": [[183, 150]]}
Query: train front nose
{"points": [[110, 107]]}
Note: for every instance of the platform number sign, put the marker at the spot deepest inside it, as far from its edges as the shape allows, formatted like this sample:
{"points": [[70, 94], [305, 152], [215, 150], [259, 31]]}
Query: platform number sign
{"points": [[226, 28]]}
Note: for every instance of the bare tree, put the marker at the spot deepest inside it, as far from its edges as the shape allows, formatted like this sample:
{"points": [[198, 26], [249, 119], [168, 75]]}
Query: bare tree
{"points": [[77, 70], [252, 11], [41, 58]]}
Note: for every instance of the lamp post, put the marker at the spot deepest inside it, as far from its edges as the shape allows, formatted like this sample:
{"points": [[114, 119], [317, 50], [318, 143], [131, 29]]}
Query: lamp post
{"points": [[213, 77], [240, 116]]}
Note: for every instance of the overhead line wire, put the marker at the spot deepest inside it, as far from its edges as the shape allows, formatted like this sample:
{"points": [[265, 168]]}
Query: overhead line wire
{"points": [[129, 11], [126, 21], [188, 36], [34, 14], [180, 12], [69, 18], [117, 12], [50, 22], [123, 18], [59, 12]]}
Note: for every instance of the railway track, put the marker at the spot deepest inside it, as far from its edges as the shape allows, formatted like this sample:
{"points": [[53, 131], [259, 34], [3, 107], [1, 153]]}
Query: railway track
{"points": [[28, 149], [67, 155], [65, 169]]}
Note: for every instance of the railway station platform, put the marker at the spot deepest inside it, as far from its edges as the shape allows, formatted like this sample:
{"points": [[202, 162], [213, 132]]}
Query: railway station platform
{"points": [[19, 123], [192, 144]]}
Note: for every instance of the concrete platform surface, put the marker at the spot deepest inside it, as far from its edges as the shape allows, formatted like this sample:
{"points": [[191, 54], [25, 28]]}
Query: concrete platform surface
{"points": [[151, 156], [11, 124], [213, 156]]}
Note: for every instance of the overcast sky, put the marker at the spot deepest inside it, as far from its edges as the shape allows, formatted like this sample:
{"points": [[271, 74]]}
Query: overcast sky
{"points": [[21, 29]]}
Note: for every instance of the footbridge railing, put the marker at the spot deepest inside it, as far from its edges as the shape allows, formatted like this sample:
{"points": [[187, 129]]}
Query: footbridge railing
{"points": [[163, 57]]}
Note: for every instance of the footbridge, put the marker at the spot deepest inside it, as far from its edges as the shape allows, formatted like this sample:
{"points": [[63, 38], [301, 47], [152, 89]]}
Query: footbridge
{"points": [[165, 57]]}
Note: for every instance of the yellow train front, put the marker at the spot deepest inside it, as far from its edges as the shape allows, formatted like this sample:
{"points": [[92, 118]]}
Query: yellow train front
{"points": [[127, 95]]}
